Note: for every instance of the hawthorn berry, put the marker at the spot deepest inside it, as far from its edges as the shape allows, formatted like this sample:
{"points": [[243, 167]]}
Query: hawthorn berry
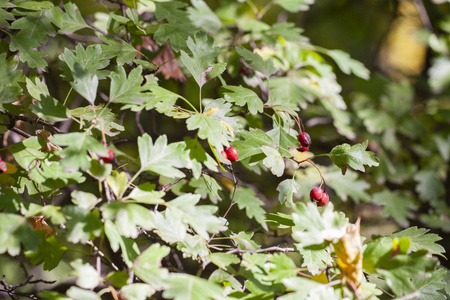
{"points": [[303, 149], [109, 158], [231, 153], [323, 200], [304, 139], [224, 154], [3, 167], [316, 194]]}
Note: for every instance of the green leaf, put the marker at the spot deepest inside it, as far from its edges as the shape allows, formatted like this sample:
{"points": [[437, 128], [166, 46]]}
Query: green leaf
{"points": [[431, 287], [204, 53], [128, 246], [83, 67], [87, 275], [147, 266], [349, 65], [353, 156], [34, 28], [188, 287], [118, 182], [75, 154], [15, 230], [4, 15], [136, 291], [242, 96], [274, 161], [127, 90], [314, 228], [82, 224], [315, 259], [77, 294], [307, 289], [252, 143], [398, 206], [347, 185], [69, 20], [223, 260], [144, 194], [421, 240], [162, 158], [219, 276], [195, 247], [283, 140], [84, 200], [200, 217], [118, 48], [47, 107], [256, 62], [209, 129], [244, 241], [178, 27], [104, 121], [198, 155], [291, 91], [169, 227], [9, 86], [50, 252], [27, 53], [429, 186], [294, 6], [280, 266], [207, 187], [128, 217], [287, 188], [246, 199], [203, 17]]}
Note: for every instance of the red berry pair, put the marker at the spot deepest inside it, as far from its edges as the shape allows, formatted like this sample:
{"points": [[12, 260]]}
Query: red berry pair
{"points": [[319, 196], [230, 153], [305, 141], [108, 158]]}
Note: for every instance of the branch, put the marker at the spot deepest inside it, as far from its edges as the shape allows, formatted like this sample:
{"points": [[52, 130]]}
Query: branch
{"points": [[11, 289], [102, 255], [269, 249], [13, 119]]}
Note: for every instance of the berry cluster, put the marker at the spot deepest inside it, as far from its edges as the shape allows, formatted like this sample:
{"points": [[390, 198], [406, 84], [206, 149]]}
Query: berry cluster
{"points": [[319, 196], [230, 153], [305, 141]]}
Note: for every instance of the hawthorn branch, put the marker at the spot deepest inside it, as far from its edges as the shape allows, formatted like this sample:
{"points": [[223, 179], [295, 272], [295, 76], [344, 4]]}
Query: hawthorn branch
{"points": [[263, 250], [11, 289], [102, 255], [13, 119]]}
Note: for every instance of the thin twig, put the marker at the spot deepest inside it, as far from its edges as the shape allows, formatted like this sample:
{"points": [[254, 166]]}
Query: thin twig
{"points": [[269, 249], [102, 255]]}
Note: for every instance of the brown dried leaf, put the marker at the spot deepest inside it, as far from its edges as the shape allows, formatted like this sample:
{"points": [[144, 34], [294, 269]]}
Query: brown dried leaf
{"points": [[38, 223], [47, 137], [168, 65], [350, 256]]}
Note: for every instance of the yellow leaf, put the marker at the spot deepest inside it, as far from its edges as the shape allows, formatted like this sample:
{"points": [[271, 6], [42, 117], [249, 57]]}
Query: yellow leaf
{"points": [[321, 278], [350, 256]]}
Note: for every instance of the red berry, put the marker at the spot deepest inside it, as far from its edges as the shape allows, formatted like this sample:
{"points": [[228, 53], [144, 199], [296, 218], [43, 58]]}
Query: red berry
{"points": [[245, 71], [303, 149], [323, 200], [224, 154], [109, 158], [3, 167], [232, 153], [316, 194], [304, 139]]}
